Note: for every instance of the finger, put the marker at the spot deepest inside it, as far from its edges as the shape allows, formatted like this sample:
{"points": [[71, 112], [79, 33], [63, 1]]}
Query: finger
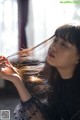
{"points": [[6, 63], [2, 59], [9, 65], [2, 63]]}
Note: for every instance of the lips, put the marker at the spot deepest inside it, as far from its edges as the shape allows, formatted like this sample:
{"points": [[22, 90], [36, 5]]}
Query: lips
{"points": [[51, 55]]}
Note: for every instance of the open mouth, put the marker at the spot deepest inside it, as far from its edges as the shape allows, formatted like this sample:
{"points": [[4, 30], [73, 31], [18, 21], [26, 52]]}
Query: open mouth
{"points": [[51, 55]]}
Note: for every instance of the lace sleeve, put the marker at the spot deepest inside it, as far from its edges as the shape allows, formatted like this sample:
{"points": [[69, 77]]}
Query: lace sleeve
{"points": [[29, 110]]}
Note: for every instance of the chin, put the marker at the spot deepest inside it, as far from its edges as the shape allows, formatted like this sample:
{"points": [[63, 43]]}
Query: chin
{"points": [[50, 62]]}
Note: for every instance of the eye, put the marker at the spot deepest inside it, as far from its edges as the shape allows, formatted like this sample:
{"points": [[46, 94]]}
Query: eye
{"points": [[55, 40], [64, 44]]}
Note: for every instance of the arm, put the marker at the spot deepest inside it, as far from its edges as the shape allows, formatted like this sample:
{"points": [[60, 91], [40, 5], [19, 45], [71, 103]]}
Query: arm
{"points": [[29, 107], [23, 93], [8, 72]]}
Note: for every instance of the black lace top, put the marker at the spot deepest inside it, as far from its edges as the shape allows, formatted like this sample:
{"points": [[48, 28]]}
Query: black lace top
{"points": [[67, 107]]}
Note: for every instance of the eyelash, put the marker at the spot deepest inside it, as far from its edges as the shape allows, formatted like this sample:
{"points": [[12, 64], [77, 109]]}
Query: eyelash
{"points": [[63, 44], [55, 40]]}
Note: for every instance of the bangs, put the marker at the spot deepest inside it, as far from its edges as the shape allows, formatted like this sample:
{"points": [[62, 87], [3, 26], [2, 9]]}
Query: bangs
{"points": [[69, 33]]}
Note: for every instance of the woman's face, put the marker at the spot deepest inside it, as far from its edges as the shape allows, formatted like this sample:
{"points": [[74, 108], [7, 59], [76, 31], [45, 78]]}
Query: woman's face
{"points": [[62, 54]]}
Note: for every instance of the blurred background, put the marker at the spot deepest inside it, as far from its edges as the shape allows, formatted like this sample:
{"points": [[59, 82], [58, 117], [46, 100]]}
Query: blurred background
{"points": [[26, 23]]}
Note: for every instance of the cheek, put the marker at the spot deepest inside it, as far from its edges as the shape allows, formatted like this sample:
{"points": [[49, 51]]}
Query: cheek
{"points": [[63, 59], [68, 59]]}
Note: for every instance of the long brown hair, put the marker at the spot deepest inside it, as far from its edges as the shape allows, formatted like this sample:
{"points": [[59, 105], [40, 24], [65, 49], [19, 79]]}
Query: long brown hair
{"points": [[32, 71], [48, 76], [70, 33]]}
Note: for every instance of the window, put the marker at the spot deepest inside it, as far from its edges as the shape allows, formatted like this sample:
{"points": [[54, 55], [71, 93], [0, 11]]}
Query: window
{"points": [[45, 16], [8, 27]]}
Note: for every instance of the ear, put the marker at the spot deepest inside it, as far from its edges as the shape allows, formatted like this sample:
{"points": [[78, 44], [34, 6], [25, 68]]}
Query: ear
{"points": [[77, 59]]}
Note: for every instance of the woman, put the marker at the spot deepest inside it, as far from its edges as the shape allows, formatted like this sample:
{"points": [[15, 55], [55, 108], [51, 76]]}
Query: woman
{"points": [[61, 70]]}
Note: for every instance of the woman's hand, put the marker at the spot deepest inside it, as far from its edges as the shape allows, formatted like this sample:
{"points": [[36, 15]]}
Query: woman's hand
{"points": [[7, 71]]}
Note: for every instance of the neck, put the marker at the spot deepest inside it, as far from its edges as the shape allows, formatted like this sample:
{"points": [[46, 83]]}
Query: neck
{"points": [[66, 73]]}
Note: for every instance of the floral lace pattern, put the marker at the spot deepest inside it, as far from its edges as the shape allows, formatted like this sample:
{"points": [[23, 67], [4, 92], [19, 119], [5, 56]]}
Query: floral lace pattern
{"points": [[28, 111]]}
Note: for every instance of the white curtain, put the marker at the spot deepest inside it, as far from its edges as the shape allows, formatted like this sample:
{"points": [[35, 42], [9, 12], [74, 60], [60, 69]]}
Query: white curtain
{"points": [[45, 16], [8, 27]]}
